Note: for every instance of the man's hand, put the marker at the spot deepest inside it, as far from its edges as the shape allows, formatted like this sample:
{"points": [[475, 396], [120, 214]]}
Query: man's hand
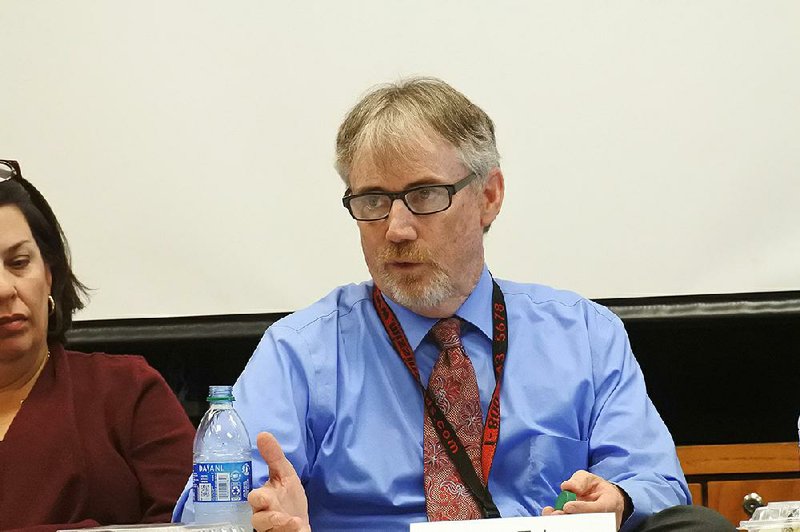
{"points": [[595, 495], [279, 505]]}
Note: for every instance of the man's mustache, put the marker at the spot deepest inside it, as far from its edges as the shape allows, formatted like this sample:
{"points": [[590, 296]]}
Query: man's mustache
{"points": [[405, 252]]}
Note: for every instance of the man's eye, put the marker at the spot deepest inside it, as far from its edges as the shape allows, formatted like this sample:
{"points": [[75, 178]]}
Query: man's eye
{"points": [[373, 202], [424, 194]]}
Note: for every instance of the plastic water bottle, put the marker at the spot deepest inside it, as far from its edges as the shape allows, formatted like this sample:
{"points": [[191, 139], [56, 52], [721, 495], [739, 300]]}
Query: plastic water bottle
{"points": [[222, 475]]}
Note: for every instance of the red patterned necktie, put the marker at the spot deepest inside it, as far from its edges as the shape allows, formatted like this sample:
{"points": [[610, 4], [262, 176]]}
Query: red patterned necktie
{"points": [[455, 389]]}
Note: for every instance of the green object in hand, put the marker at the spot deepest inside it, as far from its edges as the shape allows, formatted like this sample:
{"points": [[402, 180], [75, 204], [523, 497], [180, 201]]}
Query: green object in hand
{"points": [[563, 498]]}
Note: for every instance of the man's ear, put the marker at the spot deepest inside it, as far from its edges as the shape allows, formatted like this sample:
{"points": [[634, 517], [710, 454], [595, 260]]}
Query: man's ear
{"points": [[492, 196]]}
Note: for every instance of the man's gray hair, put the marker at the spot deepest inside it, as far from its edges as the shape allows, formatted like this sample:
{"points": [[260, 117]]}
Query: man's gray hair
{"points": [[394, 120]]}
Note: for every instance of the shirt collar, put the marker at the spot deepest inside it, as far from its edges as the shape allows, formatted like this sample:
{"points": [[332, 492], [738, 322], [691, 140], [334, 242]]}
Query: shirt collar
{"points": [[475, 310]]}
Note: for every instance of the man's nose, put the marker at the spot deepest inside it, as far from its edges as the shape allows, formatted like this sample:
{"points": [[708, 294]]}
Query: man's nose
{"points": [[401, 223]]}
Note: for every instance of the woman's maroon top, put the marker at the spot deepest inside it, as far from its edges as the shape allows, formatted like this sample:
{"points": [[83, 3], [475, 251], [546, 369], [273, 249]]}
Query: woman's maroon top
{"points": [[100, 440]]}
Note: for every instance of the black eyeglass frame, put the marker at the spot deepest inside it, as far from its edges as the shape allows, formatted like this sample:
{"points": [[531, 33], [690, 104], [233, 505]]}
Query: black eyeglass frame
{"points": [[15, 169], [451, 189]]}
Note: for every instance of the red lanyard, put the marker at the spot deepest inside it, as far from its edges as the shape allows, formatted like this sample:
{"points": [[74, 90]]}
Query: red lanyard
{"points": [[445, 431]]}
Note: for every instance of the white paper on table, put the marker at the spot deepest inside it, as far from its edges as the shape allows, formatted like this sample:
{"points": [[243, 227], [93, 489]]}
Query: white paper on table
{"points": [[550, 523]]}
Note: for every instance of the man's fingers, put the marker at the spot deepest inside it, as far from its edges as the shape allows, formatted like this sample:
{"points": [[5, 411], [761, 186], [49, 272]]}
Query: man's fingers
{"points": [[278, 522], [279, 505], [586, 507], [270, 449], [262, 499], [580, 482]]}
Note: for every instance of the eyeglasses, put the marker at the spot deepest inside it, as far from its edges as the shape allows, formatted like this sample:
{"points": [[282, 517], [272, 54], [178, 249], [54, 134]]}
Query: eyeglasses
{"points": [[8, 169], [427, 199]]}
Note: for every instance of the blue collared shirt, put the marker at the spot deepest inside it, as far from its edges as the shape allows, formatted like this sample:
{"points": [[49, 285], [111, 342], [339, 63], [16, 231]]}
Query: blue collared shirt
{"points": [[349, 415]]}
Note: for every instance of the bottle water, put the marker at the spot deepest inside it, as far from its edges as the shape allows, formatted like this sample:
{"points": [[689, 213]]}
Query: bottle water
{"points": [[222, 475]]}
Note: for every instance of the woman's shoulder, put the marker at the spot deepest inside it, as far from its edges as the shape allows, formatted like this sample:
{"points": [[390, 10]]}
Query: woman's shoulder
{"points": [[113, 382], [108, 366]]}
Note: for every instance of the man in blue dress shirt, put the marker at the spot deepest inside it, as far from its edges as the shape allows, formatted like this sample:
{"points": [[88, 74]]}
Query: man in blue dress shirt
{"points": [[339, 416]]}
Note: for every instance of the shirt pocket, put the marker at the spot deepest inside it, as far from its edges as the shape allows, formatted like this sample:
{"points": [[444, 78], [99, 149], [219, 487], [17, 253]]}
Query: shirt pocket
{"points": [[553, 459]]}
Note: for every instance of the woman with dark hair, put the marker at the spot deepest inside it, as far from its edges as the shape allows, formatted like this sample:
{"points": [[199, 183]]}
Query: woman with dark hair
{"points": [[85, 439]]}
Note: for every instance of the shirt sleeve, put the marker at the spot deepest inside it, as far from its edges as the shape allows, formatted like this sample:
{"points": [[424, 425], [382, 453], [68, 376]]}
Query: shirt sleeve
{"points": [[277, 392], [629, 444], [160, 446]]}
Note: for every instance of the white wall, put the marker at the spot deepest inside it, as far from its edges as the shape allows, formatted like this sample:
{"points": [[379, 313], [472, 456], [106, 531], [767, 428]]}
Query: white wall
{"points": [[649, 147]]}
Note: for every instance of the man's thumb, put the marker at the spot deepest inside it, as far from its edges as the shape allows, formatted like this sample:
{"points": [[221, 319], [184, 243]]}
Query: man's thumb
{"points": [[270, 449]]}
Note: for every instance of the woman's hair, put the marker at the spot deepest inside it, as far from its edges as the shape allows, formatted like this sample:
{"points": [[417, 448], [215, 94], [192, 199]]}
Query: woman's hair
{"points": [[66, 290]]}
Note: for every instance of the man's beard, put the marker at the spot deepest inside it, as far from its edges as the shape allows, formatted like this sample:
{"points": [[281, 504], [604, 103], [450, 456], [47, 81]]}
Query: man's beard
{"points": [[426, 289]]}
